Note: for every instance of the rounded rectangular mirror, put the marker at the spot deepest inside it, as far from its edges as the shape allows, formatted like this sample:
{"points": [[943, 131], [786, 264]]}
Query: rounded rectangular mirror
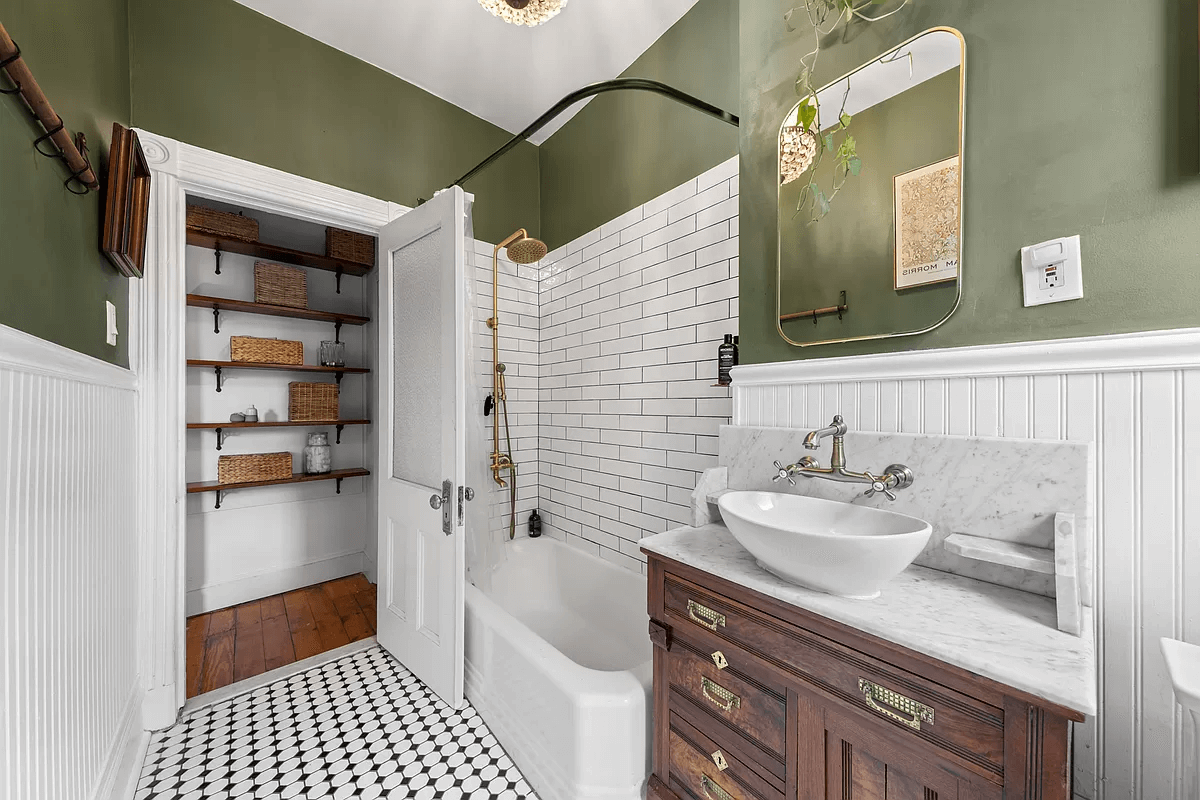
{"points": [[870, 198]]}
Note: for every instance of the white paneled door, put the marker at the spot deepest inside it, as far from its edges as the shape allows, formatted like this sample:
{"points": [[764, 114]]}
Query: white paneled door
{"points": [[422, 441]]}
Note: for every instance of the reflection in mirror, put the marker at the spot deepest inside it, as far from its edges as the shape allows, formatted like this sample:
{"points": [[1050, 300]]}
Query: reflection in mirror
{"points": [[870, 214]]}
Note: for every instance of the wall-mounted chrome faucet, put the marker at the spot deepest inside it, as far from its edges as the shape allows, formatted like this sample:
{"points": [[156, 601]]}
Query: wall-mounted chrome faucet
{"points": [[896, 476]]}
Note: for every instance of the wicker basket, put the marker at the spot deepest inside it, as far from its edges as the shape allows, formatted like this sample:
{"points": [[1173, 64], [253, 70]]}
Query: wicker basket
{"points": [[280, 286], [254, 467], [222, 223], [266, 351], [312, 402], [357, 248]]}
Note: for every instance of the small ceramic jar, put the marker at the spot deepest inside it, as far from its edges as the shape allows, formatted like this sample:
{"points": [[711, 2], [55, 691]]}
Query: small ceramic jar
{"points": [[318, 455]]}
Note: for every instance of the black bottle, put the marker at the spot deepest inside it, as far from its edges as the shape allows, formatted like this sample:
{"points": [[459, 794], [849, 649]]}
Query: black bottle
{"points": [[535, 525], [727, 359]]}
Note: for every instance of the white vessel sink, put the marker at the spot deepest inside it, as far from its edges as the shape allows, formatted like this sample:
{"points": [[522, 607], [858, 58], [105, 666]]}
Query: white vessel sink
{"points": [[832, 547]]}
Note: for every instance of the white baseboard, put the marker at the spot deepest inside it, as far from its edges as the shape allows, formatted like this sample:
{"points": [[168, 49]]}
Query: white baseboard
{"points": [[158, 707], [265, 584], [123, 762]]}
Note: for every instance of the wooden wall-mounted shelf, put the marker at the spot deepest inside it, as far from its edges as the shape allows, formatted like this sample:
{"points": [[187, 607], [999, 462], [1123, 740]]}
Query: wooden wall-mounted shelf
{"points": [[337, 372], [285, 255], [220, 488], [219, 304], [221, 427]]}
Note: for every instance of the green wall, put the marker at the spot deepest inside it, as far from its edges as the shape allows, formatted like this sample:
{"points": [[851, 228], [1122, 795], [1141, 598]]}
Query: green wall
{"points": [[220, 76], [626, 148], [851, 249], [53, 278], [1080, 118]]}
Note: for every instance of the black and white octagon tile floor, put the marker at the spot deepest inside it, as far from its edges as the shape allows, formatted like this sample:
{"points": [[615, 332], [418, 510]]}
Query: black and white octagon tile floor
{"points": [[358, 727]]}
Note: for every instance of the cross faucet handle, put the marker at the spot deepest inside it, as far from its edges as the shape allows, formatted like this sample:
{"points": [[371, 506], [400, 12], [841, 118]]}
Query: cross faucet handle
{"points": [[878, 485], [783, 474]]}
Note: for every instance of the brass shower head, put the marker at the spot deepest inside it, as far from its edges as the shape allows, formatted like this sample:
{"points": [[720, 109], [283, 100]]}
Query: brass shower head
{"points": [[526, 250], [521, 248]]}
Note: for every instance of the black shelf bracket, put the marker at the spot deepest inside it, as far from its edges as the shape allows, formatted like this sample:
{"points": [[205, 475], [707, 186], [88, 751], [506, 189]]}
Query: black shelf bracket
{"points": [[217, 256], [339, 280], [219, 380], [339, 485], [339, 433], [337, 377], [221, 434], [220, 493], [216, 318], [337, 331]]}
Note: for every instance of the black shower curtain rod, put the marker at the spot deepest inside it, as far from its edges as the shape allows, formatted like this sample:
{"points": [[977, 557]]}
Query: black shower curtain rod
{"points": [[617, 84]]}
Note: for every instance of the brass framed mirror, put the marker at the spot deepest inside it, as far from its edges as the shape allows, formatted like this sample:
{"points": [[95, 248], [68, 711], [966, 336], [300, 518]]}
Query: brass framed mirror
{"points": [[870, 203]]}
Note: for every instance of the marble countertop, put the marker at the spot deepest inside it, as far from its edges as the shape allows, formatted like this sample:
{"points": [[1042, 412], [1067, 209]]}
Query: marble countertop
{"points": [[1000, 633]]}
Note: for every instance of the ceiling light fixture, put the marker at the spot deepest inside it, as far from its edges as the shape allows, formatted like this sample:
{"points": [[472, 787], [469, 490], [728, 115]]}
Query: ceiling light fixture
{"points": [[524, 12]]}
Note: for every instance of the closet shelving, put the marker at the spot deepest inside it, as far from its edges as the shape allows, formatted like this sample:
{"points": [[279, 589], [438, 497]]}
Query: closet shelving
{"points": [[220, 305]]}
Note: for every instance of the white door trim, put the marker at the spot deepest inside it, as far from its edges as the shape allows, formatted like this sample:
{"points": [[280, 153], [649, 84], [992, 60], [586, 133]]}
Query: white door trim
{"points": [[156, 355]]}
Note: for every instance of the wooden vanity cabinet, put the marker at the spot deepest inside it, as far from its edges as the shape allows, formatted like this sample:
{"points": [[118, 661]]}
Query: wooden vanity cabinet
{"points": [[756, 699]]}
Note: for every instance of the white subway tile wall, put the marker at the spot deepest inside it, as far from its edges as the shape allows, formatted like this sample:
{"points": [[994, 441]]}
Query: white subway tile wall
{"points": [[611, 349], [631, 317]]}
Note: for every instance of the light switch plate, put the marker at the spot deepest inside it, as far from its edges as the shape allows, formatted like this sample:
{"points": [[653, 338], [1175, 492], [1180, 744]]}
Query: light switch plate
{"points": [[1052, 271], [111, 317]]}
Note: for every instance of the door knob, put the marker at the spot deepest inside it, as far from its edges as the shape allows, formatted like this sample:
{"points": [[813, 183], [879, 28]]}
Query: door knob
{"points": [[435, 501]]}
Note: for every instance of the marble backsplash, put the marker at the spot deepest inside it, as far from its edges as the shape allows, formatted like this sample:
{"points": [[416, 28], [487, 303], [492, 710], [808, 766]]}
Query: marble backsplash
{"points": [[1002, 489]]}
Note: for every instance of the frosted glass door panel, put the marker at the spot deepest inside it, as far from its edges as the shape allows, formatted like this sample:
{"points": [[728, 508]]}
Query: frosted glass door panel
{"points": [[417, 408]]}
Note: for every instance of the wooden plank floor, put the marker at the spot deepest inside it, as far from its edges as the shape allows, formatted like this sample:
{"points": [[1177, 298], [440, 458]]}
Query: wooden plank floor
{"points": [[233, 644]]}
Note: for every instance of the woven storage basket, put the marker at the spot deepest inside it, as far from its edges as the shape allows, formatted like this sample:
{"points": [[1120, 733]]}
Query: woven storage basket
{"points": [[266, 351], [312, 402], [357, 248], [222, 223], [280, 286], [254, 467]]}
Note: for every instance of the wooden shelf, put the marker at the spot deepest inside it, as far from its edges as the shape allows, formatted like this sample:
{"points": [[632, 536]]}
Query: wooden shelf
{"points": [[299, 477], [272, 252], [197, 362], [206, 426], [220, 488], [265, 309]]}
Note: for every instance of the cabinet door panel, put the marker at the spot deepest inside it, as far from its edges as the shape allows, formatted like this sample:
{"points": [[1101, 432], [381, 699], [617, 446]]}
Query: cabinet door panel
{"points": [[862, 764]]}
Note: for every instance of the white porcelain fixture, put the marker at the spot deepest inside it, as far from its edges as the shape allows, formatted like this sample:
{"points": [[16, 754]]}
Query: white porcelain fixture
{"points": [[832, 547], [1183, 665], [559, 667]]}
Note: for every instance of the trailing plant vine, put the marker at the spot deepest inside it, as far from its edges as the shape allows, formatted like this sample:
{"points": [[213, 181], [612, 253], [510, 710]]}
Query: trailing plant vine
{"points": [[838, 142]]}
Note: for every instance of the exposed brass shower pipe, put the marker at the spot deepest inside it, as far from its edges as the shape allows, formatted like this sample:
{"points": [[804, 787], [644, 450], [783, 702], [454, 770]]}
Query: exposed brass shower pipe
{"points": [[500, 461], [522, 249]]}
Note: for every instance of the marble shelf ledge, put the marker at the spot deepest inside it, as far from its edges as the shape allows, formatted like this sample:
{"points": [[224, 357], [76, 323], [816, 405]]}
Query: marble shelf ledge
{"points": [[1006, 635]]}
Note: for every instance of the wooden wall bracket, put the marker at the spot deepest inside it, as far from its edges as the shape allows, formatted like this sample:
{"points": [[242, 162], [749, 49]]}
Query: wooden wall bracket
{"points": [[660, 634]]}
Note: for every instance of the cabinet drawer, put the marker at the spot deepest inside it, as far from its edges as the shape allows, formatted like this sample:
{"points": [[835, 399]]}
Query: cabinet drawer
{"points": [[966, 728], [703, 770], [752, 709]]}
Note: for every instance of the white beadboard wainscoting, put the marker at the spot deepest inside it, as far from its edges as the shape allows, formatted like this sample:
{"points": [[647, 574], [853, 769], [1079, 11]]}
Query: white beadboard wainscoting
{"points": [[70, 698], [1137, 397]]}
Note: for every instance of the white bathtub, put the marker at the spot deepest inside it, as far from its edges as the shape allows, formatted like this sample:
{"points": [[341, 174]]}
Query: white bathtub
{"points": [[559, 667]]}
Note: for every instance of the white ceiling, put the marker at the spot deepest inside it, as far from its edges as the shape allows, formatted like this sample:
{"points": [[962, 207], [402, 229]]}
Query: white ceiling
{"points": [[506, 74]]}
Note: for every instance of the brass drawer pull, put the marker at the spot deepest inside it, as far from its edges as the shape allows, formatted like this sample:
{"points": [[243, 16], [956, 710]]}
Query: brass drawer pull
{"points": [[719, 759], [900, 708], [712, 789], [719, 659], [705, 616], [719, 696]]}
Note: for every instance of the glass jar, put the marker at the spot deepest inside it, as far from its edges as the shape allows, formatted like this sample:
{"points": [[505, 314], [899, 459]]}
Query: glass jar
{"points": [[318, 455], [333, 354]]}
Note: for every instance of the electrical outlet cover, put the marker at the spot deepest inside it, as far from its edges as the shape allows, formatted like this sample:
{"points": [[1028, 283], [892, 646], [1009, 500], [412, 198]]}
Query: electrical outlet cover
{"points": [[1052, 271]]}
